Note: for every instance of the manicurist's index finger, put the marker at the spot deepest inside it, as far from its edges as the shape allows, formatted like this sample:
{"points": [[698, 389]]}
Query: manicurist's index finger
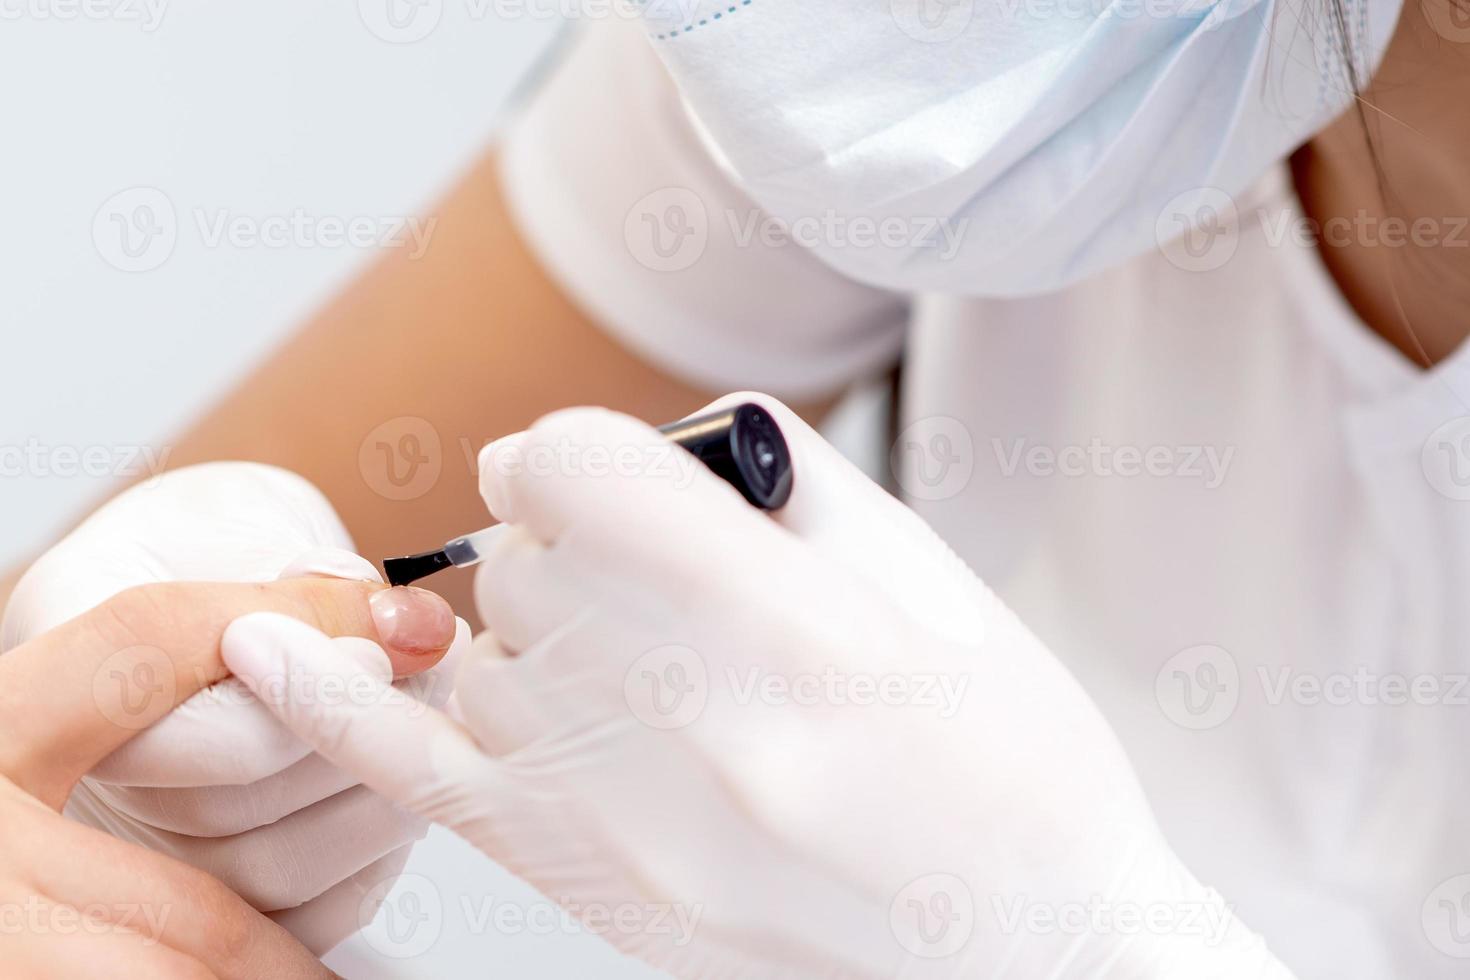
{"points": [[397, 746]]}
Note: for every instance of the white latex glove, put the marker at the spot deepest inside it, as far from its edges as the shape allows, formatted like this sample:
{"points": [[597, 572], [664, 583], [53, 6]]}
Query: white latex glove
{"points": [[809, 746], [220, 783]]}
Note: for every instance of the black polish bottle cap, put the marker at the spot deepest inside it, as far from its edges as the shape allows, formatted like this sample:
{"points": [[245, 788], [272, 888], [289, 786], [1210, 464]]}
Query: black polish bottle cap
{"points": [[744, 447]]}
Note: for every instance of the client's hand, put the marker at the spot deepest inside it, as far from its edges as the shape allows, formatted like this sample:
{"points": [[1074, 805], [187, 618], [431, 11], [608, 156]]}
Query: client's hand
{"points": [[76, 902], [219, 783]]}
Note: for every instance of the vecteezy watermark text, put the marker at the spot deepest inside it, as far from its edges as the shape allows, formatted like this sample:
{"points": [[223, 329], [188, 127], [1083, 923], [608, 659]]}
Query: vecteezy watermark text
{"points": [[36, 917], [299, 228], [564, 457], [404, 917], [1207, 464], [1210, 921], [34, 458], [1201, 687], [840, 688], [669, 230], [829, 229], [670, 687], [147, 14], [138, 230]]}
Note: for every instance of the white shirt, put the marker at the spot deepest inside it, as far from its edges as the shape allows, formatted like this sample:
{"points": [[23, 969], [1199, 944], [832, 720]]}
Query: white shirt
{"points": [[1232, 510]]}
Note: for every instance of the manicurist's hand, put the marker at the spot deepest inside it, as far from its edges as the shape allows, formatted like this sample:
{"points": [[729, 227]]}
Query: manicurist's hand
{"points": [[77, 902], [737, 746], [218, 782]]}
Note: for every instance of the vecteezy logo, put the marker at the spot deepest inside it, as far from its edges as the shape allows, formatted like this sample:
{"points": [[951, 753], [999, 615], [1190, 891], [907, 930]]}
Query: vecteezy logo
{"points": [[668, 230], [1199, 230], [401, 21], [933, 916], [133, 687], [402, 916], [136, 230], [934, 458], [1446, 459], [402, 458], [1199, 688], [932, 21], [1446, 917], [667, 688]]}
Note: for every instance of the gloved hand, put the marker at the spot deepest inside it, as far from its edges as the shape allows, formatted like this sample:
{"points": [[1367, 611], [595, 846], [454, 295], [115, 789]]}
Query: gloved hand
{"points": [[220, 784], [809, 746]]}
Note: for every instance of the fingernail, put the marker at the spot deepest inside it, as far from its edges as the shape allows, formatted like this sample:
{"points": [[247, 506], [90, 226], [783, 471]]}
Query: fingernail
{"points": [[412, 621]]}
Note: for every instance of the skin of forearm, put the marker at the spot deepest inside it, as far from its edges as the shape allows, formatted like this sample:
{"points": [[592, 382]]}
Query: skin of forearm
{"points": [[472, 337]]}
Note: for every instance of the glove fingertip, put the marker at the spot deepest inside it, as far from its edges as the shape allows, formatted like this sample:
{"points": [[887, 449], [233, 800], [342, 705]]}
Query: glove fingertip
{"points": [[331, 563], [498, 462]]}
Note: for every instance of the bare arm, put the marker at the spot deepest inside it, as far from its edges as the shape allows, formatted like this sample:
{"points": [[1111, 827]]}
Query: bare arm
{"points": [[471, 337]]}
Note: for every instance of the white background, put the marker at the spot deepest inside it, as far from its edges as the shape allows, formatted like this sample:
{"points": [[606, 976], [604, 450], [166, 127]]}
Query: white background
{"points": [[256, 108]]}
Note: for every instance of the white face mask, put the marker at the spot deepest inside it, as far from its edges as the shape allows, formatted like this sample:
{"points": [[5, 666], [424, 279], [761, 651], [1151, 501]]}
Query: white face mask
{"points": [[1007, 147]]}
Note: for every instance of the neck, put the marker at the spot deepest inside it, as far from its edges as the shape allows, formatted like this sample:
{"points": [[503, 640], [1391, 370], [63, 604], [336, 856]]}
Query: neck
{"points": [[1386, 184]]}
